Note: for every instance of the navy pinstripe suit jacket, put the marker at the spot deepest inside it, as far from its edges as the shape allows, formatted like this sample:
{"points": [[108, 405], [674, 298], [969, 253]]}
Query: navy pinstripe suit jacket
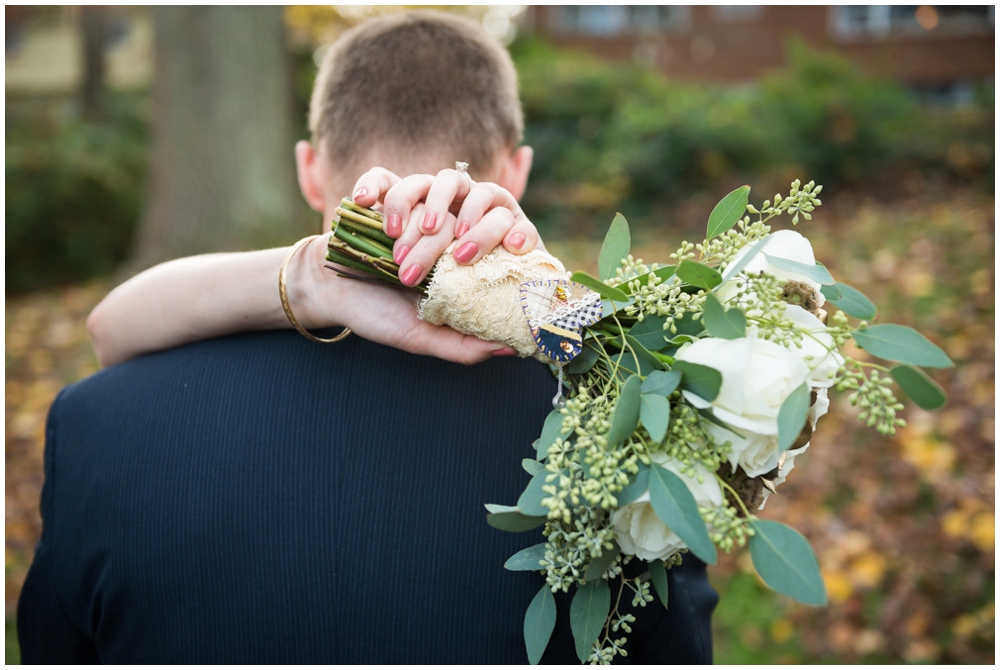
{"points": [[262, 499]]}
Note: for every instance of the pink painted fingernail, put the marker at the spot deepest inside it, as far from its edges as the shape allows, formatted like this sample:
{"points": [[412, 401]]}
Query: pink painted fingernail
{"points": [[393, 226], [412, 275], [429, 220], [462, 228], [400, 253], [505, 351], [465, 252], [516, 240], [360, 193]]}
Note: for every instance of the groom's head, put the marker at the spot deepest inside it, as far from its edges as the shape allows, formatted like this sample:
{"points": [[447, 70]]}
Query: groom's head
{"points": [[413, 92]]}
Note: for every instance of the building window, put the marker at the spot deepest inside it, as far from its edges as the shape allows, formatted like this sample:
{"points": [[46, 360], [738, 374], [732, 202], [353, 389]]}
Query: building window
{"points": [[738, 13], [611, 20], [851, 21]]}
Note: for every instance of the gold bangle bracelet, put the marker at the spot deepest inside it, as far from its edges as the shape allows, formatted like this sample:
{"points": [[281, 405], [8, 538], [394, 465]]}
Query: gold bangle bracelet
{"points": [[283, 294]]}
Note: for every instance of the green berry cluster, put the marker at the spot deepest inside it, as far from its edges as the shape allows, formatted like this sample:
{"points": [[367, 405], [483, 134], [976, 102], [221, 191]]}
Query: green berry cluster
{"points": [[801, 201], [873, 393]]}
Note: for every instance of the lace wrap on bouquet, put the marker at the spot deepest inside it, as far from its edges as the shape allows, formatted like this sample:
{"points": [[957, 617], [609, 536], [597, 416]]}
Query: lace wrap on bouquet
{"points": [[484, 299]]}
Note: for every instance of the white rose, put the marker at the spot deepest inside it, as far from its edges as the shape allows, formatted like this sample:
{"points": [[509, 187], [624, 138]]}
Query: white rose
{"points": [[641, 533], [757, 377], [818, 349], [754, 452], [786, 244]]}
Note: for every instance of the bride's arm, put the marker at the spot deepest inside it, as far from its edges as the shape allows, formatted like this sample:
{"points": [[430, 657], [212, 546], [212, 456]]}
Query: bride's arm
{"points": [[208, 296], [186, 300]]}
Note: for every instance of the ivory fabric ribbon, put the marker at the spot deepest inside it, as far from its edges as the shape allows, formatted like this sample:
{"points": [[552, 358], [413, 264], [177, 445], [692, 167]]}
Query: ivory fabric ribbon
{"points": [[483, 299]]}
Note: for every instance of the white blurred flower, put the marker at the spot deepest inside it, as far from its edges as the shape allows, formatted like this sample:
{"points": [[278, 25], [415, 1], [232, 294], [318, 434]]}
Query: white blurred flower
{"points": [[757, 377], [786, 244], [818, 349], [640, 532]]}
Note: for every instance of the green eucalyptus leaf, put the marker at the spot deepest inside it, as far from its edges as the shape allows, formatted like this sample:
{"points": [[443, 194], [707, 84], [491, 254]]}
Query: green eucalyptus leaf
{"points": [[552, 430], [698, 275], [636, 487], [600, 564], [584, 361], [728, 212], [654, 414], [499, 509], [676, 507], [527, 559], [661, 383], [674, 343], [514, 522], [832, 292], [786, 562], [539, 622], [626, 415], [530, 502], [689, 325], [922, 390], [903, 344], [613, 306], [595, 284], [531, 466], [587, 614], [644, 353], [664, 273], [615, 249], [719, 322], [658, 575], [792, 416], [650, 332], [853, 302], [817, 272], [700, 380], [630, 363]]}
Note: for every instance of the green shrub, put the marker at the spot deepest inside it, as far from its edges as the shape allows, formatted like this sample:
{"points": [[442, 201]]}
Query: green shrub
{"points": [[838, 124], [74, 193], [616, 136]]}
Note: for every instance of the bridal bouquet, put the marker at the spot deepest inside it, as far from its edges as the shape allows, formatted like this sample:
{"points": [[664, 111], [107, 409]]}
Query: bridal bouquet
{"points": [[686, 391]]}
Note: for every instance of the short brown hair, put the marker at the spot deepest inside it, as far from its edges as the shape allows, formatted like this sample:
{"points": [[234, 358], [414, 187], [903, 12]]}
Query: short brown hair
{"points": [[416, 81]]}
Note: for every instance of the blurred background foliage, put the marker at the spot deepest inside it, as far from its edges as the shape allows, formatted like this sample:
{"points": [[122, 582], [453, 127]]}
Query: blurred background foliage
{"points": [[903, 527]]}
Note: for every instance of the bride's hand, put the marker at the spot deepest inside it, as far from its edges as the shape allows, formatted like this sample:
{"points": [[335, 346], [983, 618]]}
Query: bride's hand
{"points": [[376, 312], [426, 213]]}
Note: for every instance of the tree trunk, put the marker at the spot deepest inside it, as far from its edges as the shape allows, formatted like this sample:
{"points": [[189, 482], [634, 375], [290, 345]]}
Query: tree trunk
{"points": [[222, 172], [93, 26]]}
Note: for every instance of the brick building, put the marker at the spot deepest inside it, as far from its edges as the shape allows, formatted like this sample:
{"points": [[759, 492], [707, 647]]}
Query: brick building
{"points": [[942, 48]]}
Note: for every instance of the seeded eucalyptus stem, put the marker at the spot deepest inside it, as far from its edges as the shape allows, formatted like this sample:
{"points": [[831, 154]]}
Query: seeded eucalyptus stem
{"points": [[359, 243]]}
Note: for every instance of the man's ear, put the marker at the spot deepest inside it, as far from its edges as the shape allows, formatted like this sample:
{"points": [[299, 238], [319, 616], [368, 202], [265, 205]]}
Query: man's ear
{"points": [[312, 175], [514, 171]]}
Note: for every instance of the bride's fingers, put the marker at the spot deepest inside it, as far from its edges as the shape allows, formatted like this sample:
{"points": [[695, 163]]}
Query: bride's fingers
{"points": [[400, 202], [425, 252], [410, 236], [372, 185], [522, 238], [484, 197], [486, 235], [443, 342], [450, 187]]}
